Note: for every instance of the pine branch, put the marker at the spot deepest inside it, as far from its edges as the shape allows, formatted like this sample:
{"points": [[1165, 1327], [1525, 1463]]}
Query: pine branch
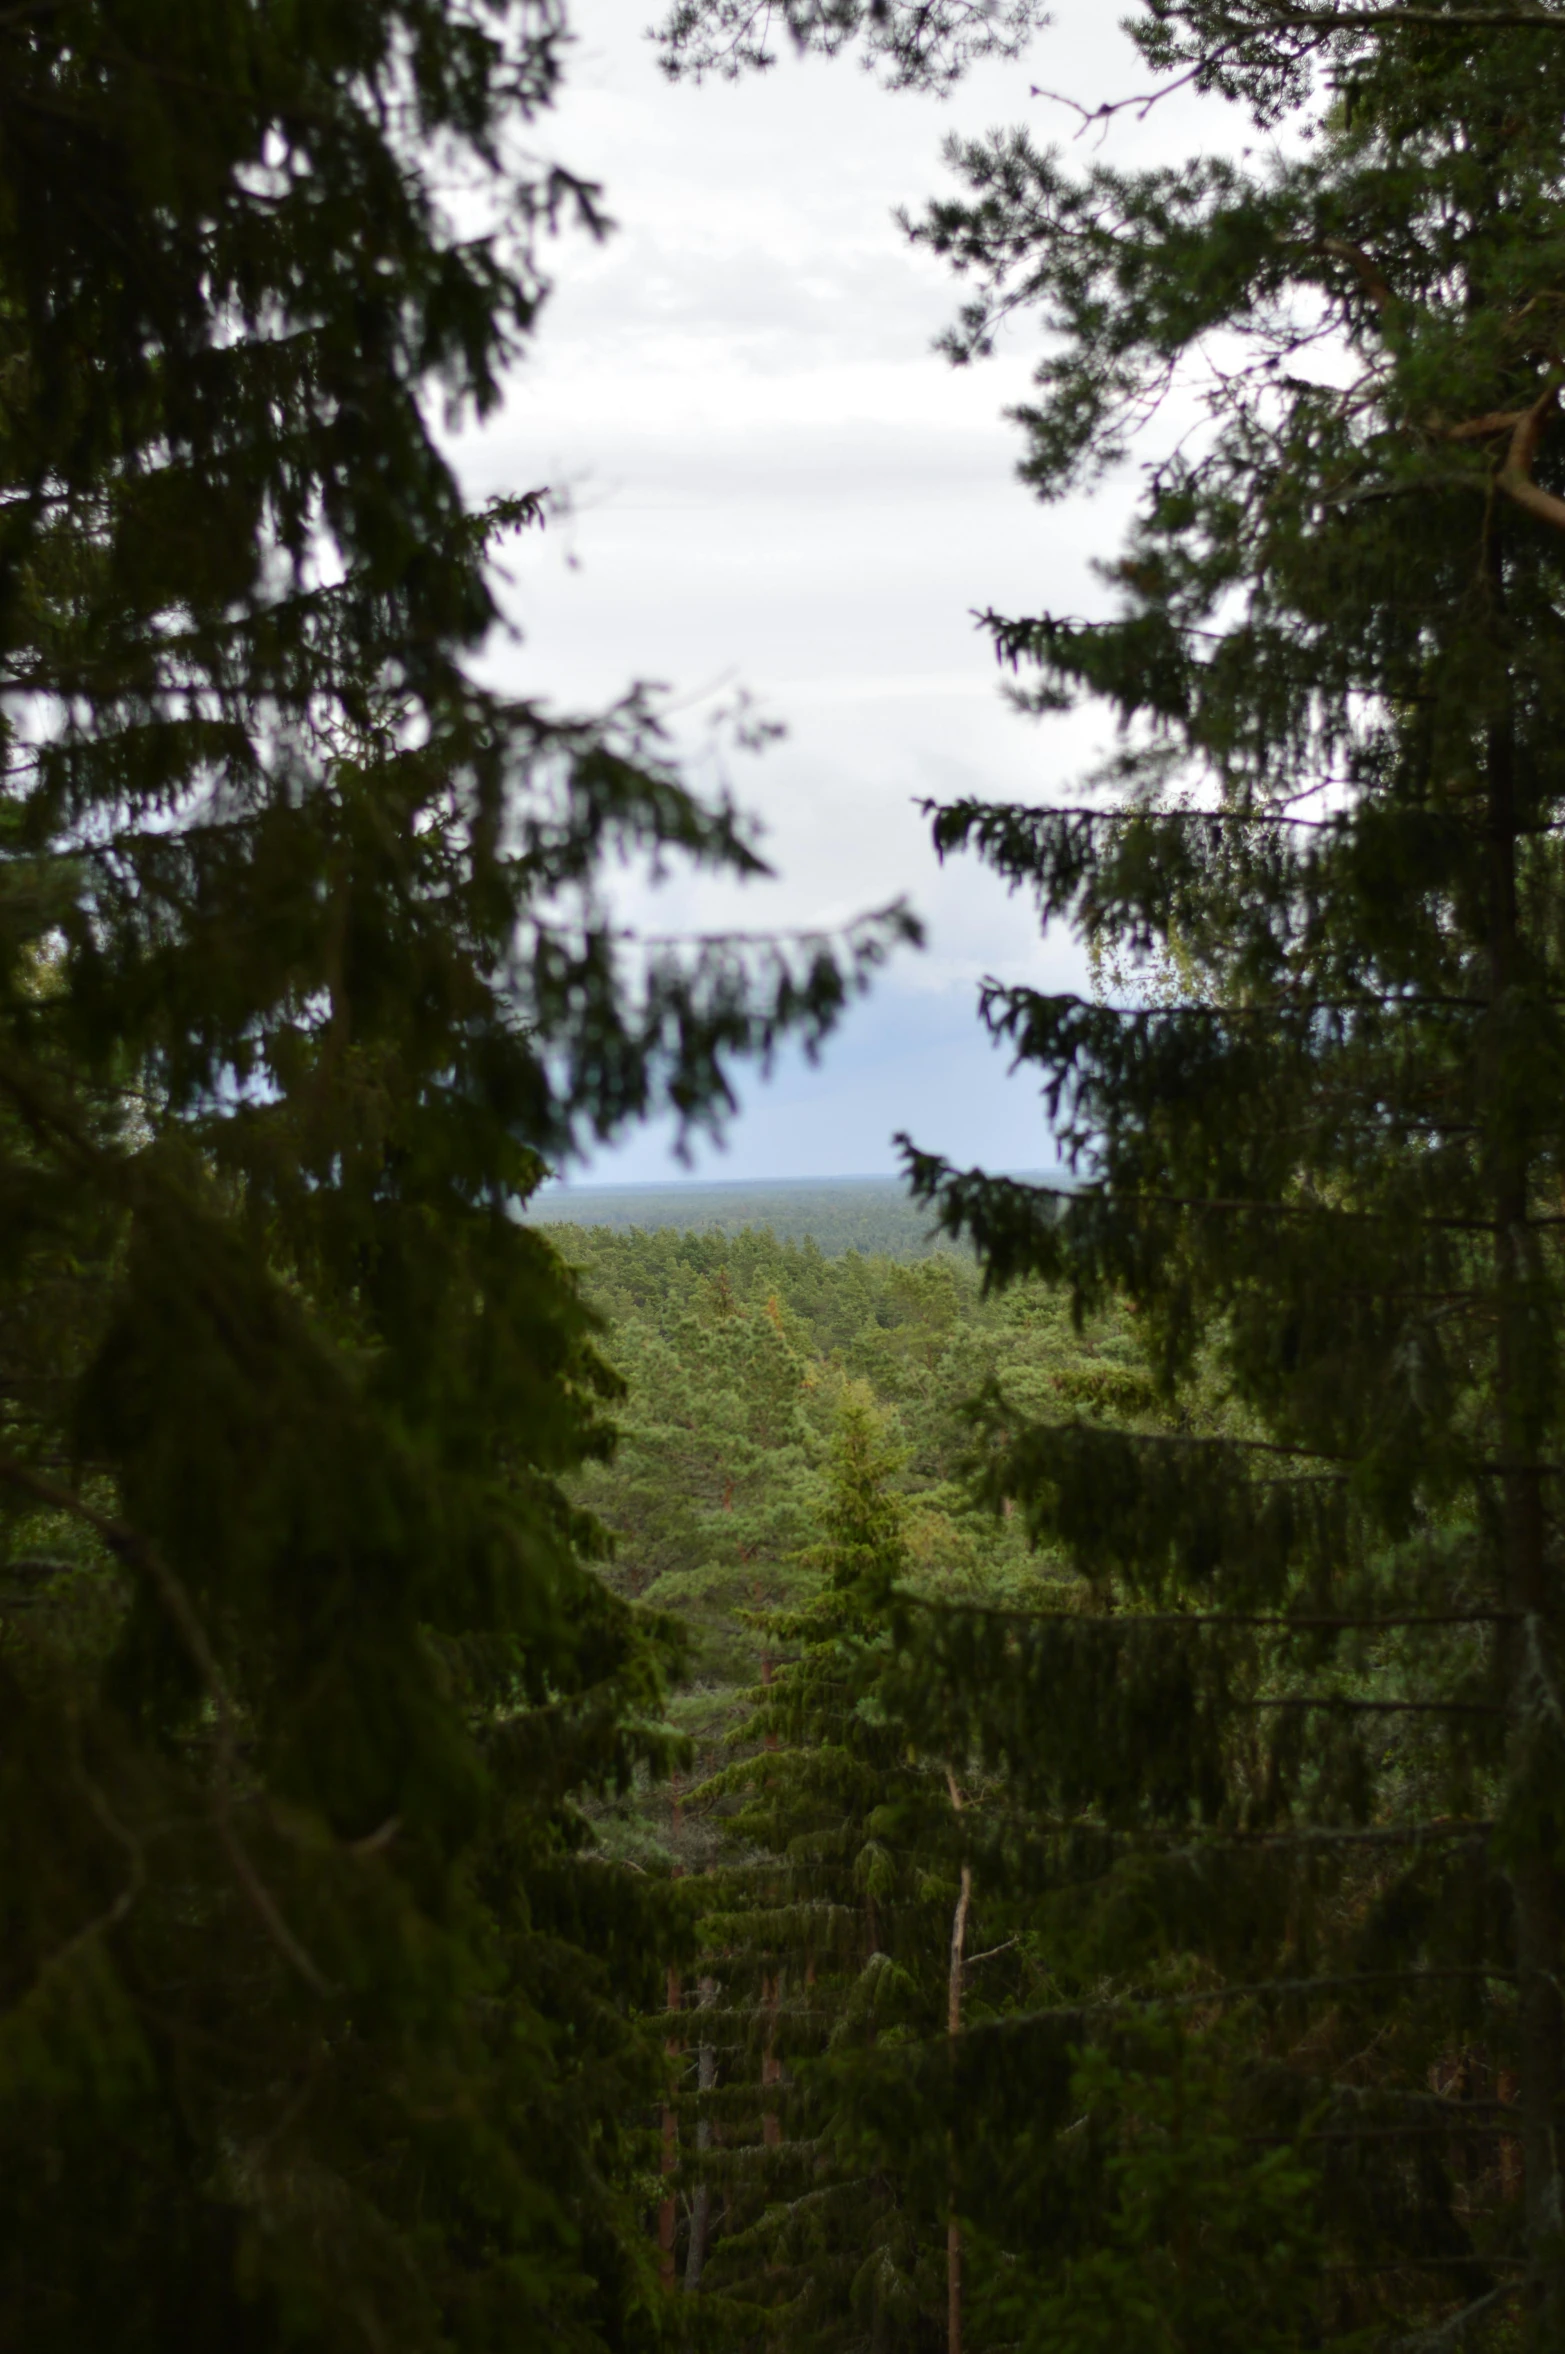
{"points": [[1333, 20], [1322, 22], [1515, 477]]}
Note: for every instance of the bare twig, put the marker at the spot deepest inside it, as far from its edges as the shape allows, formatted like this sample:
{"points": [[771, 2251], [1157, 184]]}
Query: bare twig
{"points": [[1142, 103], [989, 1953]]}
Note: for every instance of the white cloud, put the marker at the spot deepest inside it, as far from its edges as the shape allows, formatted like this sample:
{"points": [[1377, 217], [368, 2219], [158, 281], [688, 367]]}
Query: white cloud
{"points": [[777, 481]]}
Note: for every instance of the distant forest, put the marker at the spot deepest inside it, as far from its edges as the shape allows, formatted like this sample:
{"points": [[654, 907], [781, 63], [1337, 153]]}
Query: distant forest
{"points": [[870, 1214]]}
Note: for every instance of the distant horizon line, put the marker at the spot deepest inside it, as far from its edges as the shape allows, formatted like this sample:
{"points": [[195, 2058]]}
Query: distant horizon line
{"points": [[562, 1185]]}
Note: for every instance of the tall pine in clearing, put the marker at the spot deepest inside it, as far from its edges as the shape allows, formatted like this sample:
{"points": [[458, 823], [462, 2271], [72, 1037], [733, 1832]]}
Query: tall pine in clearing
{"points": [[1324, 1150], [315, 2011]]}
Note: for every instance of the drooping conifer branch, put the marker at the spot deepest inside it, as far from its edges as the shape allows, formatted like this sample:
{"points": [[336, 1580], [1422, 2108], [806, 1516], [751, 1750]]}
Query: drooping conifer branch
{"points": [[128, 1545], [1312, 1623]]}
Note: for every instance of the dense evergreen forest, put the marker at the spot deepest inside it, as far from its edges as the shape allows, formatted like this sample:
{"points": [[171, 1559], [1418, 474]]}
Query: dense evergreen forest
{"points": [[872, 1215], [953, 2049], [621, 1789]]}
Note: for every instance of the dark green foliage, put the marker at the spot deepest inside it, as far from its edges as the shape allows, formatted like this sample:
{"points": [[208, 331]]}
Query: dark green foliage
{"points": [[1206, 2239], [318, 2021], [736, 1348], [1316, 1123]]}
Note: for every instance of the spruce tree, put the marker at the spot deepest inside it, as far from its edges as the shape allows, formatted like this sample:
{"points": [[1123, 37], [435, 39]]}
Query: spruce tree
{"points": [[826, 1936], [318, 2013], [1323, 1156]]}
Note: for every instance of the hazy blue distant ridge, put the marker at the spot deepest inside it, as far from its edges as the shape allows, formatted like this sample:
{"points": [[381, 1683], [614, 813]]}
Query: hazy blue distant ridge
{"points": [[837, 1214]]}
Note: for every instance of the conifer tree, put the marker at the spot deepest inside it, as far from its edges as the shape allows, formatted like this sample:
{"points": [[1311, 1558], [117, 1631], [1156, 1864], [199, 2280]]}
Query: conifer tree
{"points": [[316, 2017], [829, 1935], [1326, 1160]]}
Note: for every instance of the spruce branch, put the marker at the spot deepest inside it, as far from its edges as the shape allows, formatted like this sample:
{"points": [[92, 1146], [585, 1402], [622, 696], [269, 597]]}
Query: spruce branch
{"points": [[1272, 1622], [1334, 20], [1342, 1705], [128, 1545], [1348, 1982], [124, 1838], [1451, 2334]]}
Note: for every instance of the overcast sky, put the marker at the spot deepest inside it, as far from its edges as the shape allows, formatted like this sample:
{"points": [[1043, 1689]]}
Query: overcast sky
{"points": [[778, 484]]}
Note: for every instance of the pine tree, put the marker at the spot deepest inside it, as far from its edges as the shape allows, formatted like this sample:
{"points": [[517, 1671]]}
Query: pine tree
{"points": [[318, 2013]]}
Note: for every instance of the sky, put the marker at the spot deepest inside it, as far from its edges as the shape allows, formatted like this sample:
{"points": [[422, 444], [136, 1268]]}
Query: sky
{"points": [[777, 485]]}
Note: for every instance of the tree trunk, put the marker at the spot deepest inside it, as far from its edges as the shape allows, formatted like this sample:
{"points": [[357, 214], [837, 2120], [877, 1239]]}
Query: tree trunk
{"points": [[668, 2213], [771, 2066], [701, 2209], [1531, 1679], [953, 2030]]}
